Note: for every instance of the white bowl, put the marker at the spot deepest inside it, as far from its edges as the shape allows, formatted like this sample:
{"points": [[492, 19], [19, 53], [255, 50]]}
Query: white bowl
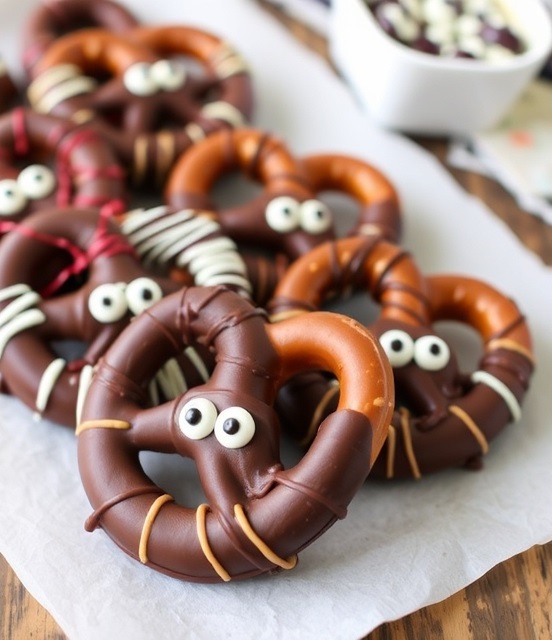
{"points": [[419, 93]]}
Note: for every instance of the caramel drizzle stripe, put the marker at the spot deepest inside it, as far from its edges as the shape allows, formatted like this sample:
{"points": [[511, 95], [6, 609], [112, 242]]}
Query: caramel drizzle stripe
{"points": [[510, 345], [94, 518], [140, 159], [408, 447], [201, 515], [260, 544], [106, 423], [148, 525], [391, 452], [471, 425], [166, 152], [318, 412]]}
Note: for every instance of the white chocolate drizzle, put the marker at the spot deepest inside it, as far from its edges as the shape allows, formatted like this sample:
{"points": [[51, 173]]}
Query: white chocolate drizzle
{"points": [[57, 84], [193, 240], [47, 383], [20, 314]]}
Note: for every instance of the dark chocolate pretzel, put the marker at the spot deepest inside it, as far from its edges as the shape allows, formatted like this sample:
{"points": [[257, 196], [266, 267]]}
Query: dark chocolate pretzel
{"points": [[68, 275], [258, 515], [46, 161], [54, 18], [443, 418], [151, 106]]}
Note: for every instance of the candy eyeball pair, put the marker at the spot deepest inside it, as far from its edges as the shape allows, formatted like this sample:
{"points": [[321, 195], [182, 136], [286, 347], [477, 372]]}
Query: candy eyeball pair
{"points": [[33, 183], [429, 352], [145, 79], [234, 427], [109, 302], [285, 214]]}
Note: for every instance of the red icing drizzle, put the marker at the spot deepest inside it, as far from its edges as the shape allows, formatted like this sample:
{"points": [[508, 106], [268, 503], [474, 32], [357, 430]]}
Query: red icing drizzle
{"points": [[104, 244]]}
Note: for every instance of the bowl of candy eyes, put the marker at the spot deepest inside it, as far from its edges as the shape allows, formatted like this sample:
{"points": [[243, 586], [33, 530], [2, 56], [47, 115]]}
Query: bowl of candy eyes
{"points": [[439, 67]]}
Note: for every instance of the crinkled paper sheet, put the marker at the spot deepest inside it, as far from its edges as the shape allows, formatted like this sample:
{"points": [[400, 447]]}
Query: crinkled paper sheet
{"points": [[403, 545]]}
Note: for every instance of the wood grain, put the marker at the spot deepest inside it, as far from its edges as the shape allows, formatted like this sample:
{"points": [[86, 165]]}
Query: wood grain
{"points": [[513, 601]]}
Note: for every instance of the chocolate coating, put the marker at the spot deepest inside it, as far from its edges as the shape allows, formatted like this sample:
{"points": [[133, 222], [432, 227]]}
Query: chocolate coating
{"points": [[258, 515]]}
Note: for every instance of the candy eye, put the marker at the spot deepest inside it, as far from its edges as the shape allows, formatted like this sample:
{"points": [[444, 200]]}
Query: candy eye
{"points": [[315, 216], [234, 427], [141, 294], [12, 199], [168, 75], [398, 346], [283, 214], [197, 418], [139, 81], [431, 353], [108, 303], [36, 181]]}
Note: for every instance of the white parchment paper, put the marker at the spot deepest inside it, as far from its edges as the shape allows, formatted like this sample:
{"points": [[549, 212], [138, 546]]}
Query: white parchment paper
{"points": [[403, 545]]}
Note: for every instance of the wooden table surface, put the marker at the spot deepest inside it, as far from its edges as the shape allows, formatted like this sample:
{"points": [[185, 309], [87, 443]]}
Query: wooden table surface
{"points": [[511, 602]]}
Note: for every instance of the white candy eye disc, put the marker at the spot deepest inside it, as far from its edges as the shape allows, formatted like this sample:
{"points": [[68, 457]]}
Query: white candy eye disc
{"points": [[283, 214], [431, 353], [168, 75], [139, 81], [141, 294], [12, 199], [315, 217], [234, 427], [398, 347], [108, 303], [197, 418], [36, 181]]}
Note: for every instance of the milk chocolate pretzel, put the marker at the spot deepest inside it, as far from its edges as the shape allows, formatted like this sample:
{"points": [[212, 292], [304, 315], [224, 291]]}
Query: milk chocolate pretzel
{"points": [[286, 216], [443, 418], [69, 275], [55, 18], [151, 106], [46, 161], [258, 515]]}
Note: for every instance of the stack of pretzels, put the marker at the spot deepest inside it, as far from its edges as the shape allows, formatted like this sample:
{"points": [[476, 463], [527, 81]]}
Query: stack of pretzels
{"points": [[200, 326]]}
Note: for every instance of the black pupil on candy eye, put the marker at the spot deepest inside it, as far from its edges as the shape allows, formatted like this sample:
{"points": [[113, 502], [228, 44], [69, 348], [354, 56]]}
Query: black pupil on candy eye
{"points": [[8, 192], [435, 349], [147, 294], [107, 302], [319, 214], [286, 211], [231, 426], [397, 345], [193, 416]]}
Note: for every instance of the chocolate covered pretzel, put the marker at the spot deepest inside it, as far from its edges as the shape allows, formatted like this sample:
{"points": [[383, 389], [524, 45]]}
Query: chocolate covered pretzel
{"points": [[443, 417], [139, 93], [46, 161], [257, 515], [71, 275], [287, 217]]}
